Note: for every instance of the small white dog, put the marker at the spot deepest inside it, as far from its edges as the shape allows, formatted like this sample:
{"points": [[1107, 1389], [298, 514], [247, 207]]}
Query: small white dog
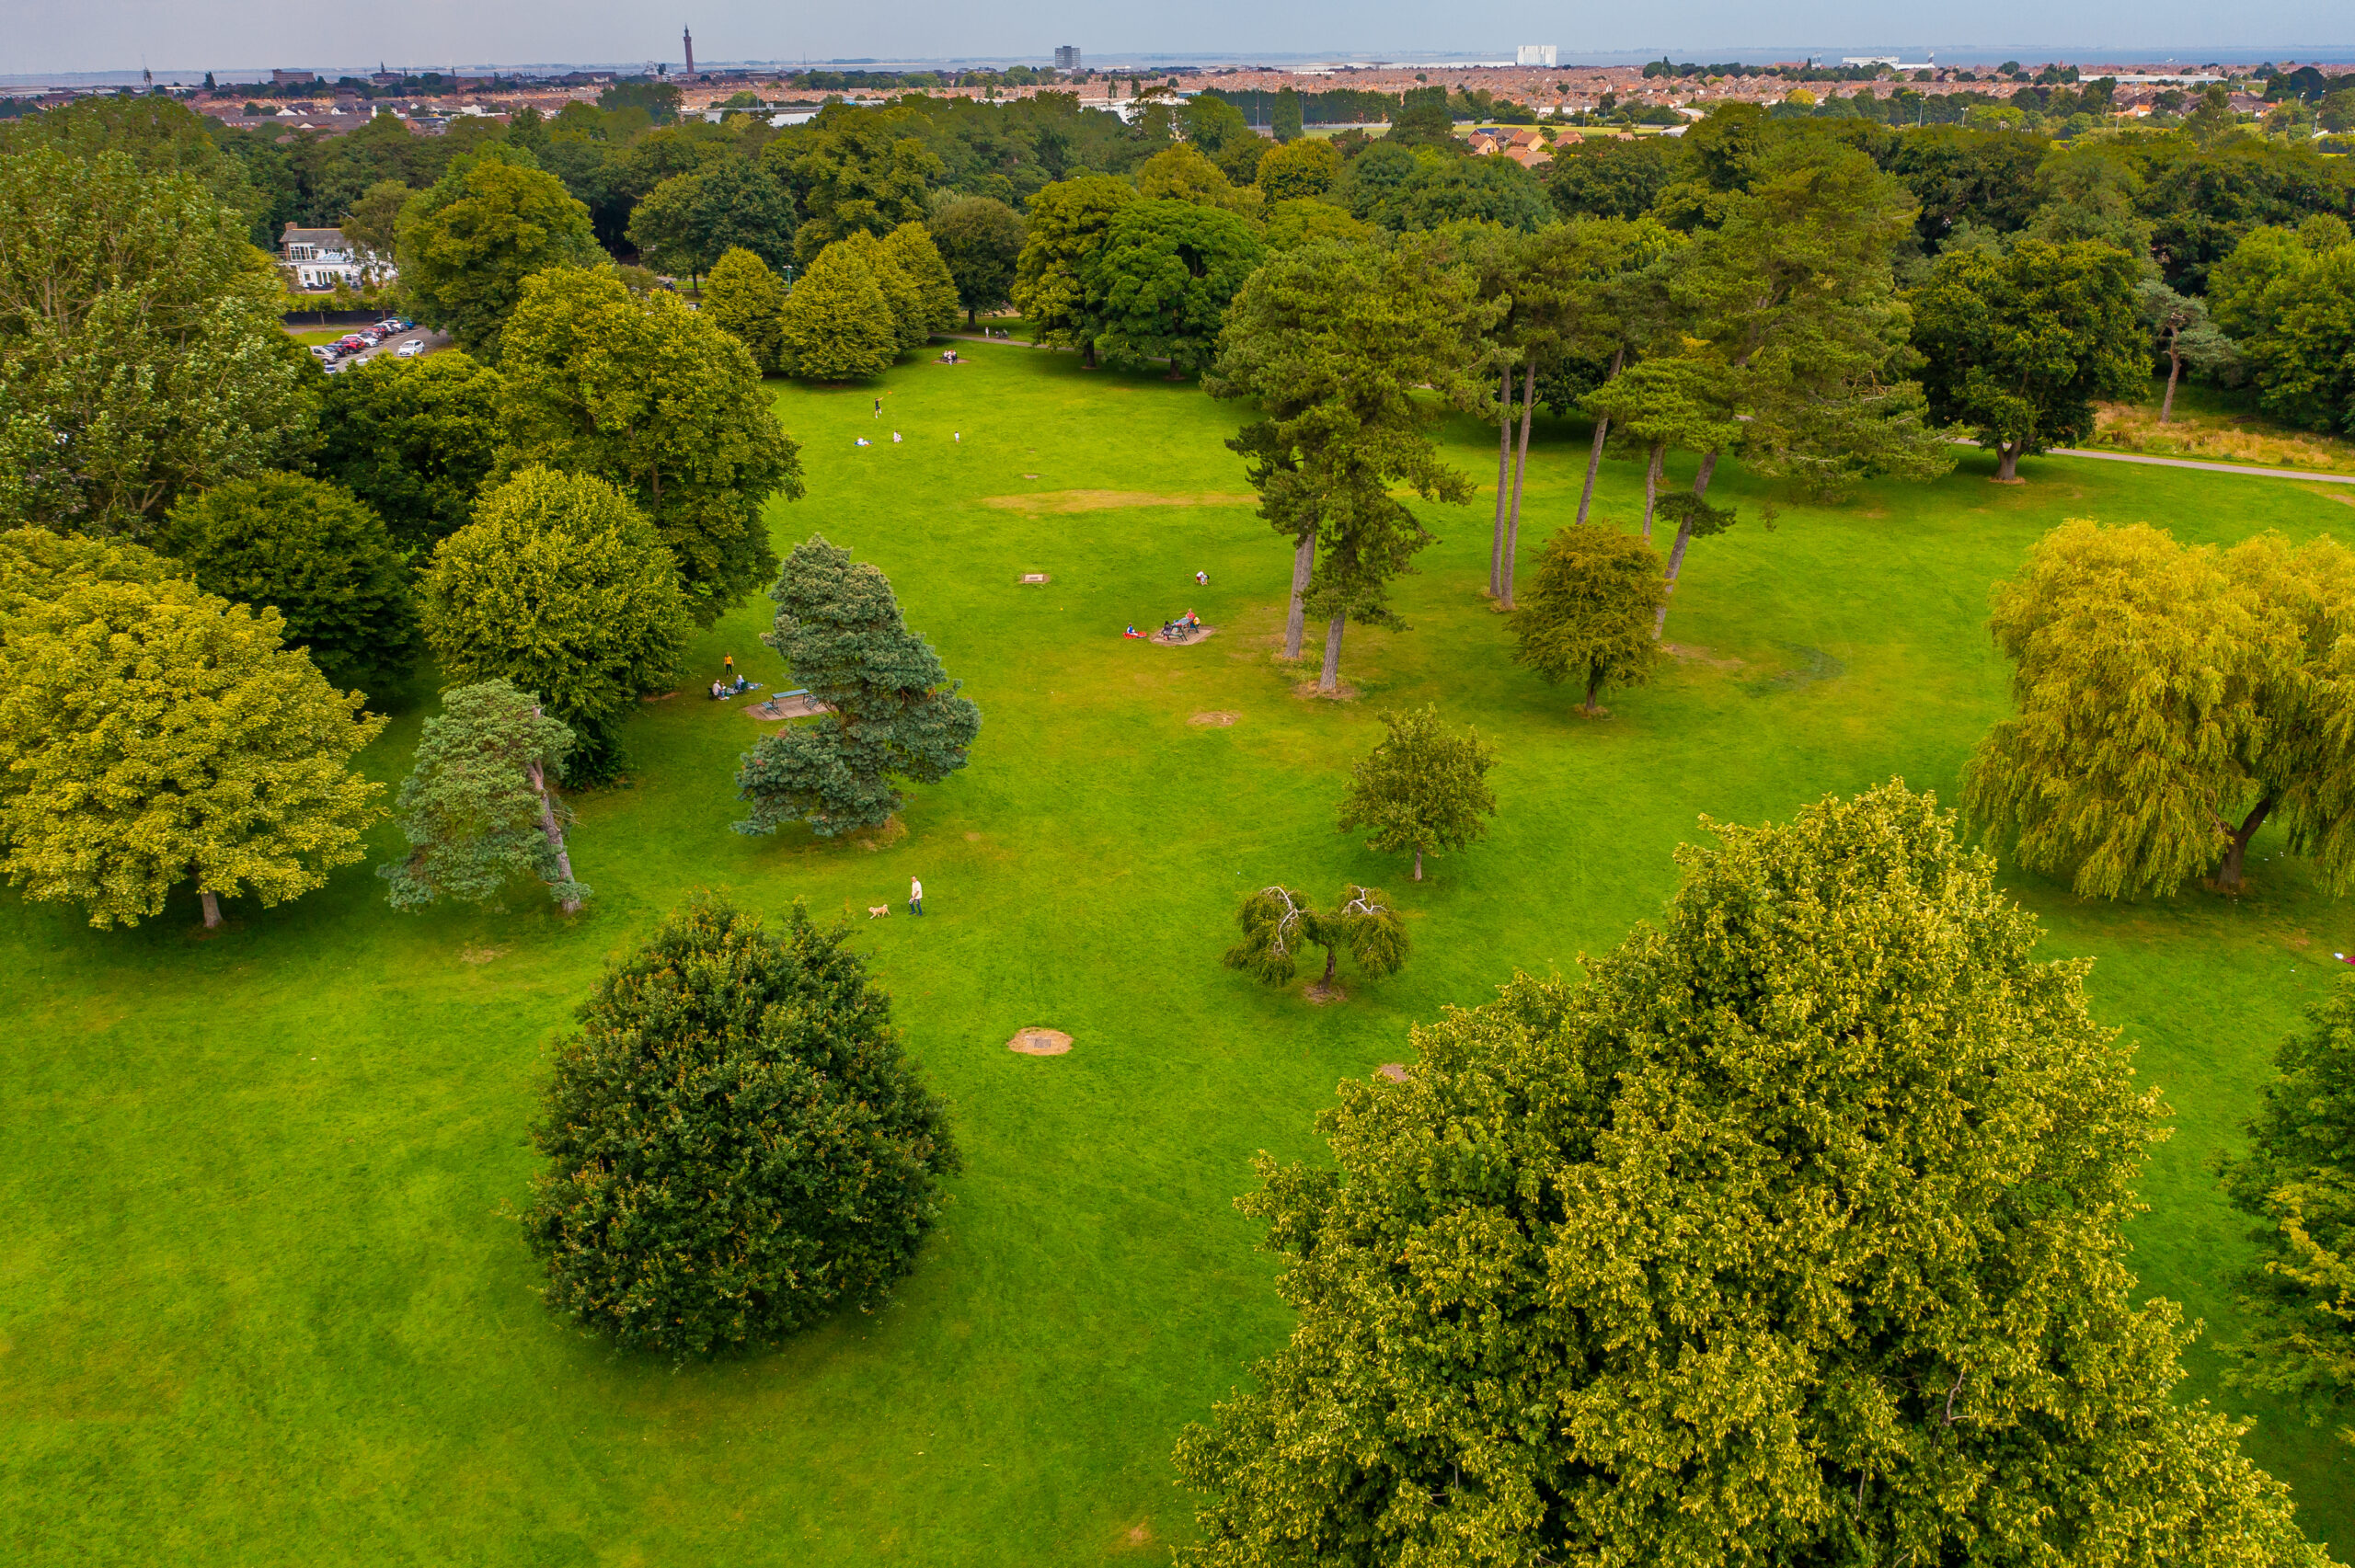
{"points": [[877, 911]]}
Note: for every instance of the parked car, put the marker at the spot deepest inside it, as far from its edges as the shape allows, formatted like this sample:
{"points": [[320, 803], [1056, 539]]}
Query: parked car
{"points": [[412, 348], [322, 351], [350, 343]]}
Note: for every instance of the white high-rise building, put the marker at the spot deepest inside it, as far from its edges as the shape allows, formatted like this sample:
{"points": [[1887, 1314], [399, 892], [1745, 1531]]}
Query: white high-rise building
{"points": [[1535, 54], [1067, 58]]}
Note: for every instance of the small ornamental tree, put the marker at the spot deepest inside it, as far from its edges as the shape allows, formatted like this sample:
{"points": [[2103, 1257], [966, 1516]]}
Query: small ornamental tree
{"points": [[1424, 788], [836, 325], [980, 239], [2169, 702], [736, 1146], [895, 711], [415, 439], [1793, 1234], [1588, 616], [560, 587], [743, 298], [315, 555], [152, 734], [477, 808], [1277, 923], [2298, 1178]]}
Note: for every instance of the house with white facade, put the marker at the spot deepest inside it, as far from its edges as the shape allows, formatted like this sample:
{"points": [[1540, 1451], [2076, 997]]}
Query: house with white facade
{"points": [[320, 258]]}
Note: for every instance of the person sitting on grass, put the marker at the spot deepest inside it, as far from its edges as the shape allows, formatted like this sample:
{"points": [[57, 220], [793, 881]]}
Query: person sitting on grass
{"points": [[719, 691]]}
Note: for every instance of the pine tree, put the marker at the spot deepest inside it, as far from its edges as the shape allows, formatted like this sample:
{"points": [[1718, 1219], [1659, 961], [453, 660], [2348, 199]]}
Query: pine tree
{"points": [[895, 711], [477, 807], [836, 325], [1423, 789], [1278, 923], [744, 299], [1589, 615]]}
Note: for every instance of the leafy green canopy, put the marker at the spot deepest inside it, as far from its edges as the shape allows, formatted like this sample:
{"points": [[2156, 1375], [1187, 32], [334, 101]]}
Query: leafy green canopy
{"points": [[895, 711], [466, 245], [37, 565], [736, 1146], [980, 240], [911, 321], [1160, 285], [1423, 788], [2168, 702], [2289, 298], [2297, 1179], [1300, 169], [743, 298], [659, 401], [560, 587], [1793, 1235], [477, 808], [318, 557], [854, 173], [1069, 223], [415, 439], [141, 350], [1589, 615], [1278, 923], [152, 734], [911, 249], [690, 221], [836, 324]]}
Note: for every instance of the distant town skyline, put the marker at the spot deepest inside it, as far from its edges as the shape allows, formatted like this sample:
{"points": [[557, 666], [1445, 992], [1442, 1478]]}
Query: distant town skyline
{"points": [[178, 37]]}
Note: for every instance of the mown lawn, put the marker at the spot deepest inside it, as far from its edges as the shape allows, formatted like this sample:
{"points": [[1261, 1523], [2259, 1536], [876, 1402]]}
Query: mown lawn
{"points": [[262, 1297]]}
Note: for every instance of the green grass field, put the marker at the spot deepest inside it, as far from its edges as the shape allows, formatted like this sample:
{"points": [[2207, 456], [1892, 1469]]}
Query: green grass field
{"points": [[263, 1298]]}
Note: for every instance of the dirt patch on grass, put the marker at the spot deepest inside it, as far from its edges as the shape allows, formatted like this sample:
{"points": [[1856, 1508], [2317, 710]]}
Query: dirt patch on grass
{"points": [[1215, 719], [1059, 502], [798, 706], [1698, 655], [1394, 1071], [1320, 993], [657, 696], [1201, 635], [1040, 1042], [1343, 692], [481, 954]]}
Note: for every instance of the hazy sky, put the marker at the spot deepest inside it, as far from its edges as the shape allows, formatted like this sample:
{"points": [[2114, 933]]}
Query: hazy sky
{"points": [[182, 36]]}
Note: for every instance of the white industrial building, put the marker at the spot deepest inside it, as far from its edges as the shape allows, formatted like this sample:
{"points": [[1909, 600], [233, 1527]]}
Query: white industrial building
{"points": [[1535, 54]]}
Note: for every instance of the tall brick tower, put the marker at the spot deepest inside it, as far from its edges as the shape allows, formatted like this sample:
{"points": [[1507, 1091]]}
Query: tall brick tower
{"points": [[687, 36]]}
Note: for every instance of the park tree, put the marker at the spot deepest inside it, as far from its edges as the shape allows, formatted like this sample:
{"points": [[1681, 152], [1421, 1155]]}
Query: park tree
{"points": [[319, 557], [1609, 178], [1336, 343], [37, 565], [1160, 286], [2018, 343], [837, 325], [164, 138], [893, 713], [1181, 173], [979, 238], [659, 401], [141, 349], [152, 734], [1591, 615], [1298, 170], [911, 249], [414, 438], [2170, 702], [371, 225], [853, 172], [2295, 1179], [1069, 223], [1662, 405], [1727, 1255], [690, 221], [1424, 787], [736, 1145], [2289, 297], [467, 244], [1286, 122], [478, 808], [1306, 220], [910, 312], [2181, 332], [1279, 923], [744, 299], [560, 587]]}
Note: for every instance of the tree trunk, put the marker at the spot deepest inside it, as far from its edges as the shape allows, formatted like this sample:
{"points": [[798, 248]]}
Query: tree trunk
{"points": [[2228, 874], [1303, 563], [1504, 466], [212, 910], [1652, 485], [2007, 464], [1708, 471], [1332, 959], [1602, 428], [1676, 565], [1418, 866], [1329, 677], [972, 319], [1520, 466], [554, 833], [1593, 687], [2174, 369]]}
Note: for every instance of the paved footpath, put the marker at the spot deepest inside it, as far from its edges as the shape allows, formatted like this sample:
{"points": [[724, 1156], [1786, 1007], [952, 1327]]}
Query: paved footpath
{"points": [[2210, 467]]}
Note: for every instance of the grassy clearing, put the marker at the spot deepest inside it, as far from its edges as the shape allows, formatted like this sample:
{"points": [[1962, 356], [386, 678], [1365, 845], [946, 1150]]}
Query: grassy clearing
{"points": [[2217, 424], [262, 1297]]}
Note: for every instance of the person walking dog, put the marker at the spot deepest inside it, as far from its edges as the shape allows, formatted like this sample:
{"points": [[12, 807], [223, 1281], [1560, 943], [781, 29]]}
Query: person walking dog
{"points": [[916, 897]]}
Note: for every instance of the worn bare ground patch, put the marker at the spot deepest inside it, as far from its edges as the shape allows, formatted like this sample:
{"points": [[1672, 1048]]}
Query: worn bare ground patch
{"points": [[1216, 716], [1698, 655], [1342, 692], [1040, 1042], [481, 954], [1056, 502], [1394, 1071]]}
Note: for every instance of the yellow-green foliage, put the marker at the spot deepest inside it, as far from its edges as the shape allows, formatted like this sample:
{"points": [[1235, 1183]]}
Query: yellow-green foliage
{"points": [[152, 734], [1588, 616], [743, 298], [837, 325], [911, 249]]}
